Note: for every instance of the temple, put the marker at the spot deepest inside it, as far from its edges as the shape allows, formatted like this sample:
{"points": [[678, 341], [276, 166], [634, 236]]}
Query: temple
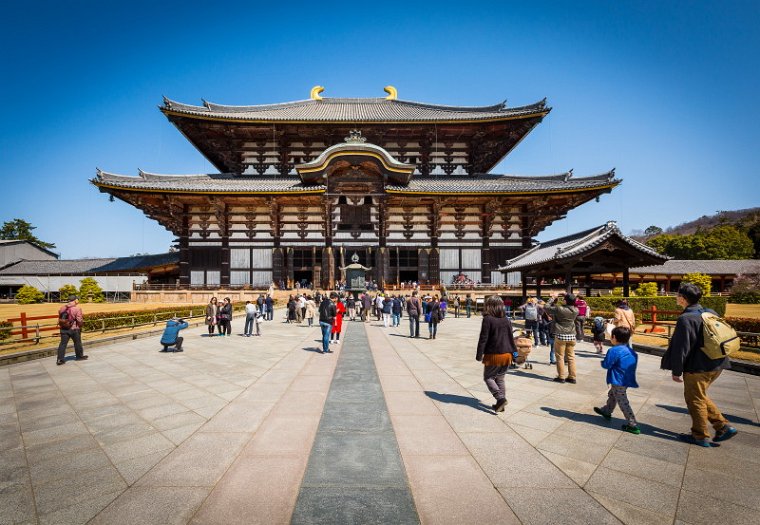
{"points": [[302, 186]]}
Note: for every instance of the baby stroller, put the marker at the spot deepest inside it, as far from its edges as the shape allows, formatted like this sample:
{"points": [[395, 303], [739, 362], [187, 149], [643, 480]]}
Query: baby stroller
{"points": [[524, 345]]}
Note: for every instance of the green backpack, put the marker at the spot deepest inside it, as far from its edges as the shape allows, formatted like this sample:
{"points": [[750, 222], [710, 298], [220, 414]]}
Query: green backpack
{"points": [[720, 339]]}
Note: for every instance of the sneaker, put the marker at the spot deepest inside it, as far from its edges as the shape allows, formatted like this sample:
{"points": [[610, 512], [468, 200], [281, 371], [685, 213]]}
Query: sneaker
{"points": [[688, 438], [500, 404], [558, 380], [725, 433], [82, 358], [606, 415], [60, 362], [571, 380], [633, 429]]}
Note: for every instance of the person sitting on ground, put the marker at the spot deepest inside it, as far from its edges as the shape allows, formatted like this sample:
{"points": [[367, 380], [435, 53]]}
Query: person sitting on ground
{"points": [[171, 337], [620, 363]]}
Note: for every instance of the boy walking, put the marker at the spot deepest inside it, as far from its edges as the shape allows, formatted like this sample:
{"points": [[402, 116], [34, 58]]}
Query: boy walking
{"points": [[620, 363]]}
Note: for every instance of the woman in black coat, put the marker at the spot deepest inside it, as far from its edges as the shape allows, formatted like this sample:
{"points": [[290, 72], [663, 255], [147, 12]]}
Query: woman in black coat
{"points": [[495, 347]]}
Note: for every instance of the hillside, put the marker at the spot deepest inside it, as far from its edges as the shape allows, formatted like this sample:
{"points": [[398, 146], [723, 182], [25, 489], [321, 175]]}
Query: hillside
{"points": [[706, 222]]}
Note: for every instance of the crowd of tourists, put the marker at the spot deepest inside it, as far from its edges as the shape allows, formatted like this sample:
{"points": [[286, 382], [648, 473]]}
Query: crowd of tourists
{"points": [[558, 323]]}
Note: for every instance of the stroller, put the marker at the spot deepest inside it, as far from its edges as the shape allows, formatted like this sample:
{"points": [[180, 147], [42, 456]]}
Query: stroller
{"points": [[524, 346]]}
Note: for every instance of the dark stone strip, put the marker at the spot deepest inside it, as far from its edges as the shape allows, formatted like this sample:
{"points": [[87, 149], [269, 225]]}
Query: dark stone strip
{"points": [[355, 472]]}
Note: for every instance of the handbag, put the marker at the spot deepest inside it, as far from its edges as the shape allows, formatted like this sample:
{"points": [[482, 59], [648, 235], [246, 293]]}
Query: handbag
{"points": [[428, 317], [609, 328]]}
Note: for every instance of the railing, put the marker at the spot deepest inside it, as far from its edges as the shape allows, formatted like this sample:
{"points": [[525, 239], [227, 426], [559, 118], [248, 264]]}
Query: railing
{"points": [[200, 287], [32, 332]]}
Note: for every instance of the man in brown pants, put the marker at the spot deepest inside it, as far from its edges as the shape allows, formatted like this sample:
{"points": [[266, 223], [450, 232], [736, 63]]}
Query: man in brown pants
{"points": [[685, 357]]}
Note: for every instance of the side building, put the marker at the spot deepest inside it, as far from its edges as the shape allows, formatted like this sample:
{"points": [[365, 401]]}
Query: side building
{"points": [[303, 186]]}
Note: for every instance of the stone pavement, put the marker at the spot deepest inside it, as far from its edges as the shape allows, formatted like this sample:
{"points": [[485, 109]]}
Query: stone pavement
{"points": [[264, 430]]}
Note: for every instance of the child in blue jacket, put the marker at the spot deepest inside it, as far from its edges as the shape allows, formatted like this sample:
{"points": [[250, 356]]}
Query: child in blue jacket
{"points": [[171, 336], [620, 362]]}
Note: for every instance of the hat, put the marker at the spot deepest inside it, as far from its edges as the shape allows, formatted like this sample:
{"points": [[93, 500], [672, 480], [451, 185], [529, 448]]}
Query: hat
{"points": [[72, 298]]}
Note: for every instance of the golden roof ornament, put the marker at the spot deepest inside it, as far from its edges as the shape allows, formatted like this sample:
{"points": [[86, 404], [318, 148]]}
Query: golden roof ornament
{"points": [[355, 137], [315, 91], [392, 93]]}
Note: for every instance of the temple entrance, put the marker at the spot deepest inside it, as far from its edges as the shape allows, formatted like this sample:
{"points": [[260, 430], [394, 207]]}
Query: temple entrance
{"points": [[408, 276], [303, 277]]}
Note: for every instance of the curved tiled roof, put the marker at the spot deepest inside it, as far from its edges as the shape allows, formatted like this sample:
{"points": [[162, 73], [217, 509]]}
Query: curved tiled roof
{"points": [[431, 184], [213, 183], [574, 246], [354, 110], [492, 183], [709, 267]]}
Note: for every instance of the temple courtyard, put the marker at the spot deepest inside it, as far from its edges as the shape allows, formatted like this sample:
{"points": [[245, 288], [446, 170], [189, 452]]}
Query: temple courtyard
{"points": [[387, 429]]}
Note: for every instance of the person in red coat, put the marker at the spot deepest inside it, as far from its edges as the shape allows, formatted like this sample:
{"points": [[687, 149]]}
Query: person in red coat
{"points": [[338, 324]]}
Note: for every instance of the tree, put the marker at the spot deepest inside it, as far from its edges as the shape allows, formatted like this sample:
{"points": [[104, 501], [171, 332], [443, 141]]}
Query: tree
{"points": [[647, 290], [66, 291], [721, 242], [90, 291], [653, 230], [746, 289], [703, 281], [29, 295], [20, 230]]}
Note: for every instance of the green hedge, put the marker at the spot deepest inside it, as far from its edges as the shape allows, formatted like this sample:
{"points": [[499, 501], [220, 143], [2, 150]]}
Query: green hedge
{"points": [[97, 321], [5, 329], [745, 298], [608, 304]]}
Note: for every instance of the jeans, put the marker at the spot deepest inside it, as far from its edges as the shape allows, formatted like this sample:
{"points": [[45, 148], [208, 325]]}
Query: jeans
{"points": [[432, 328], [552, 357], [494, 378], [543, 333], [414, 326], [177, 344], [579, 322], [701, 408], [270, 313], [248, 328], [396, 319], [468, 310], [326, 329], [386, 319], [74, 335], [225, 327], [532, 327]]}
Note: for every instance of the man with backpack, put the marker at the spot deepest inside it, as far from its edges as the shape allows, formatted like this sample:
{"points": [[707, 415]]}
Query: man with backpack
{"points": [[687, 357], [70, 322]]}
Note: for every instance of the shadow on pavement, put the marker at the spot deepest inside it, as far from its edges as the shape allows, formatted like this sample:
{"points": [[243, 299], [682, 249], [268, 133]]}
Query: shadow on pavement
{"points": [[734, 419], [312, 349], [522, 373], [599, 421], [459, 400]]}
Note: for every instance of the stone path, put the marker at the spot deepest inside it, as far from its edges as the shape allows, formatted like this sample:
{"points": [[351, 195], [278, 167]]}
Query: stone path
{"points": [[355, 473], [234, 429]]}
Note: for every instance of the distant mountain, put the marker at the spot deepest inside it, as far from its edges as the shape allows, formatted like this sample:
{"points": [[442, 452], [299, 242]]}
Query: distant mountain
{"points": [[705, 222]]}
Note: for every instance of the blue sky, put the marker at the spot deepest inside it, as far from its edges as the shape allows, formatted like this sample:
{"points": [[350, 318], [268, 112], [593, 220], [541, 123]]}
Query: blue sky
{"points": [[663, 91]]}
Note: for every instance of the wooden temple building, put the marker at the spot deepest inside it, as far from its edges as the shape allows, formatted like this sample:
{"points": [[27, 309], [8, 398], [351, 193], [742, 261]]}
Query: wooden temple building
{"points": [[304, 185]]}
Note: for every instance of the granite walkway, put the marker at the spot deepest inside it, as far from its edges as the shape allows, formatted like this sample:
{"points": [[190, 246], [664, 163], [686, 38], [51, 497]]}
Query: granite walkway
{"points": [[267, 430]]}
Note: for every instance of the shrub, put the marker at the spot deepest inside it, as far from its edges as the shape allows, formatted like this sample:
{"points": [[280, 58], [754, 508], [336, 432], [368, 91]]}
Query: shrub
{"points": [[99, 321], [745, 324], [617, 291], [647, 290], [745, 290], [667, 303], [90, 291], [703, 281], [29, 295], [67, 290], [5, 329]]}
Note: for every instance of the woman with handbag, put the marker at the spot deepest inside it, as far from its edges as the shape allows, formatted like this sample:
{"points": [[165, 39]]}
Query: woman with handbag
{"points": [[225, 317], [211, 312], [496, 345]]}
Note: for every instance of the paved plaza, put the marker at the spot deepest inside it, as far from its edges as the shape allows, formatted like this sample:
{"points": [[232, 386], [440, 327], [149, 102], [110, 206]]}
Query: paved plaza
{"points": [[386, 429]]}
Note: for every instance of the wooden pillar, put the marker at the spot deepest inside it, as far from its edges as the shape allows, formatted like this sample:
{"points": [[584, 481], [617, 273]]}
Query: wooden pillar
{"points": [[290, 269], [588, 285], [722, 283], [524, 279], [485, 252], [539, 282], [626, 283], [435, 266], [184, 248], [224, 227], [569, 281]]}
